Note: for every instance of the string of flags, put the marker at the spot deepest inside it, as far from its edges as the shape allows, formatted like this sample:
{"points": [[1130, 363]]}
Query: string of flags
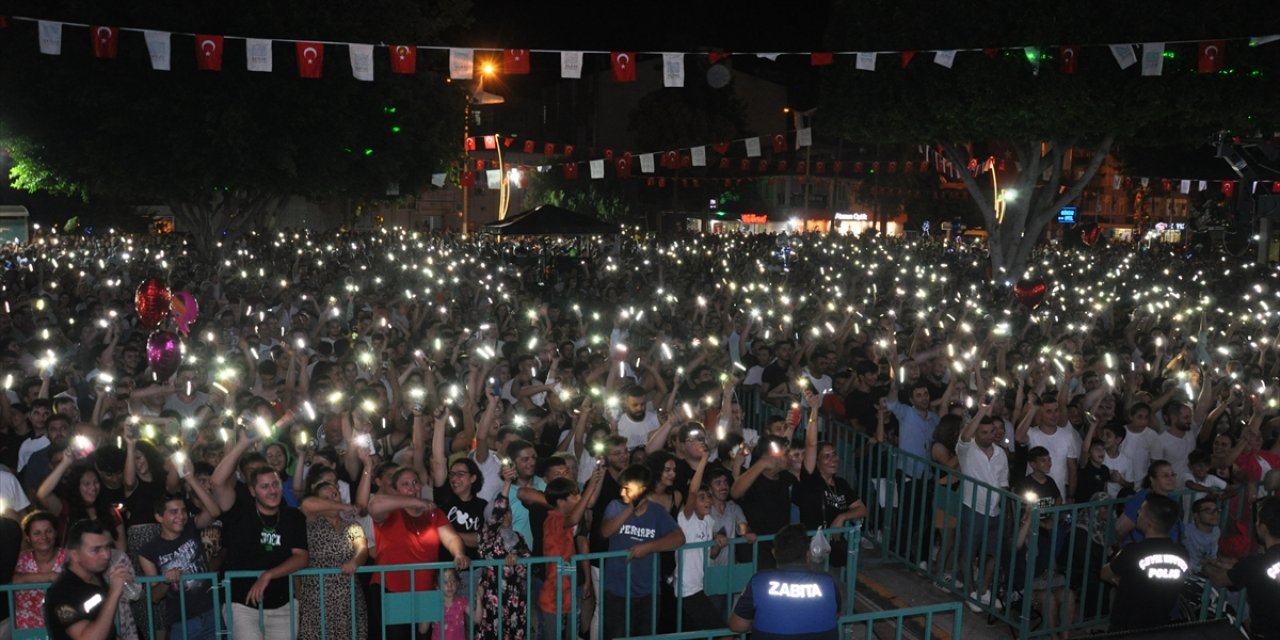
{"points": [[461, 62]]}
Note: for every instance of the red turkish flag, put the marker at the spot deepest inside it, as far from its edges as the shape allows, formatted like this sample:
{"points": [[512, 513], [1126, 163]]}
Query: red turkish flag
{"points": [[821, 58], [467, 179], [490, 143], [624, 167], [721, 147], [529, 146], [671, 160], [893, 166], [404, 58], [208, 53], [549, 149], [1275, 187], [1211, 53], [1166, 184], [515, 62], [624, 66], [875, 166], [820, 167], [909, 167], [802, 167], [506, 142], [924, 166], [782, 166], [608, 154], [763, 166], [745, 165], [662, 183], [837, 167], [480, 164], [779, 143], [650, 182], [469, 143], [717, 56], [568, 150], [906, 58], [724, 163], [685, 160], [571, 171], [310, 59], [104, 41], [1068, 59], [1228, 188]]}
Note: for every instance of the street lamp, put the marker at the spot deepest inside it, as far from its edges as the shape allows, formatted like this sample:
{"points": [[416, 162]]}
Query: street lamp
{"points": [[479, 97]]}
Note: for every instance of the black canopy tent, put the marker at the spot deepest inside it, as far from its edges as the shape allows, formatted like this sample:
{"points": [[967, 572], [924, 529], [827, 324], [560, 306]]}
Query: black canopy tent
{"points": [[550, 220]]}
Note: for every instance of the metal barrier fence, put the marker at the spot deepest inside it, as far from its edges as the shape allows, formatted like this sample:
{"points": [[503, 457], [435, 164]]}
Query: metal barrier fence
{"points": [[314, 586]]}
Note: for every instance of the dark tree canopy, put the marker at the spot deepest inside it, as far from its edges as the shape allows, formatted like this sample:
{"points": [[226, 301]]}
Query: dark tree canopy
{"points": [[224, 147]]}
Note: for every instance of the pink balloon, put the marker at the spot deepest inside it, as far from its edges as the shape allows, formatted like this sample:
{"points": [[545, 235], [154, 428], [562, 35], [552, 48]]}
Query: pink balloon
{"points": [[164, 354], [184, 309]]}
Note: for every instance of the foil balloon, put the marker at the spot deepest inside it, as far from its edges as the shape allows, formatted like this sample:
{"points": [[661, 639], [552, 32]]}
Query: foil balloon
{"points": [[185, 309], [1031, 292], [151, 302], [164, 354]]}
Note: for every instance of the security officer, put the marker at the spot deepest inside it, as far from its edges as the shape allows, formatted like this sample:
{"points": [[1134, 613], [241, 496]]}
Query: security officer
{"points": [[791, 601], [1150, 573], [1259, 574]]}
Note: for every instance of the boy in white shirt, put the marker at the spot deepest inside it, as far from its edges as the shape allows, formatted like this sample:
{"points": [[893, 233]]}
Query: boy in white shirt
{"points": [[700, 613]]}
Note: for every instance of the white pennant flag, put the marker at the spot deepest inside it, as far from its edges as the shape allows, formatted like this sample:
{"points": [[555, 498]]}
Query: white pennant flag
{"points": [[460, 63], [493, 178], [1204, 184], [597, 169], [673, 69], [437, 179], [753, 147], [1184, 186], [1152, 58], [771, 57], [1258, 41], [945, 58], [698, 156], [646, 163], [160, 47], [866, 61], [1116, 180], [1124, 55], [361, 61], [1145, 182], [50, 38], [257, 53], [804, 137], [570, 64]]}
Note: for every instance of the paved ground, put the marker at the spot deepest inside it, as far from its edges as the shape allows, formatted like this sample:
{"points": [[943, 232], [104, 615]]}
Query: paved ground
{"points": [[884, 586]]}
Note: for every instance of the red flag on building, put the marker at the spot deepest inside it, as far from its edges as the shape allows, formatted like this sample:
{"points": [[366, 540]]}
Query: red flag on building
{"points": [[1228, 188], [515, 62], [624, 167], [893, 166], [821, 58], [608, 154], [490, 143], [724, 163], [782, 166], [717, 56], [779, 142], [469, 143], [105, 41], [1211, 55], [906, 58], [310, 59], [837, 167], [467, 179], [721, 147], [529, 146], [571, 171], [1068, 59], [506, 142], [820, 167], [857, 167], [549, 149], [209, 53], [624, 66], [802, 167], [480, 164], [763, 166], [671, 160], [404, 58], [568, 150], [745, 165]]}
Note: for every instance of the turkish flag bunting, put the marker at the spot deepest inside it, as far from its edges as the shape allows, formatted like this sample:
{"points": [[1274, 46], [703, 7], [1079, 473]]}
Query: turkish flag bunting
{"points": [[837, 167], [515, 62], [893, 166], [779, 143], [624, 66], [1068, 57], [467, 179], [571, 171], [624, 167], [529, 146], [506, 142], [549, 149], [404, 58], [608, 154], [782, 166], [906, 58], [310, 58], [1228, 188], [821, 58], [685, 161], [650, 182], [875, 166], [763, 167], [724, 163], [909, 167], [490, 142], [717, 56], [802, 167], [721, 147], [662, 182], [924, 166], [469, 143], [209, 53], [568, 150], [104, 41], [671, 160], [1211, 55], [480, 165], [1275, 187], [1166, 184], [820, 167], [745, 165]]}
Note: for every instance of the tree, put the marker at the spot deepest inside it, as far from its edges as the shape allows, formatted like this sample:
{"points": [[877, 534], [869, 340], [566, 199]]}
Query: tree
{"points": [[604, 199], [1057, 128], [225, 149]]}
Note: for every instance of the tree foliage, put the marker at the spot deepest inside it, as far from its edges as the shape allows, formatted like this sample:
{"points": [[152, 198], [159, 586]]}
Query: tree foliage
{"points": [[604, 199], [222, 148], [1020, 100]]}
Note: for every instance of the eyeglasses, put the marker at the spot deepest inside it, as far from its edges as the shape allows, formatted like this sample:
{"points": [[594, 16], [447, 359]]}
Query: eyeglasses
{"points": [[459, 474]]}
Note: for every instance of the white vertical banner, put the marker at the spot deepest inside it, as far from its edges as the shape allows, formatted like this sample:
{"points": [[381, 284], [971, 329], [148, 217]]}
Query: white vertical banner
{"points": [[646, 163], [437, 179], [50, 38], [1204, 184], [461, 62], [1124, 55], [257, 53], [571, 64], [1184, 186], [1145, 182], [160, 47], [361, 61], [1152, 58], [597, 169], [866, 61], [945, 58], [804, 137], [753, 147], [493, 178], [673, 69], [698, 156]]}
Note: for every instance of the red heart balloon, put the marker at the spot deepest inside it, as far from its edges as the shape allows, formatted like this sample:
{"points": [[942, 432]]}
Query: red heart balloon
{"points": [[1031, 292], [152, 303], [1091, 236]]}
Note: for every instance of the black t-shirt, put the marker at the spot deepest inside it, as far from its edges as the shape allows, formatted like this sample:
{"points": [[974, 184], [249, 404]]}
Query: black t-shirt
{"points": [[819, 502], [185, 553], [1152, 573], [1091, 480], [684, 476], [139, 507], [465, 516], [767, 504], [1046, 493], [256, 543], [609, 491], [861, 406], [774, 374], [1260, 575], [71, 600]]}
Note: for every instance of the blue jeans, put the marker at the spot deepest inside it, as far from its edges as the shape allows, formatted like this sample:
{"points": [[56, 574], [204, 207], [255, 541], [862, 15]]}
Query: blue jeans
{"points": [[199, 627]]}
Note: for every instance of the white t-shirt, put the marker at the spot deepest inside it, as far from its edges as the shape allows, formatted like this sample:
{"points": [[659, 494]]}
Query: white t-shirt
{"points": [[993, 470], [491, 471], [691, 565], [1063, 447], [637, 432], [1210, 480], [1137, 448], [29, 448], [1174, 449], [15, 499], [1122, 464]]}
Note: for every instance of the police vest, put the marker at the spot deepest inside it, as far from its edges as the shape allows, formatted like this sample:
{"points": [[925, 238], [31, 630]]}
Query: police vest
{"points": [[794, 602]]}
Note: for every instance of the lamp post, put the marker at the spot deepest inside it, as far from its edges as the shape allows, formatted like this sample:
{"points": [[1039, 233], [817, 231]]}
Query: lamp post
{"points": [[478, 97]]}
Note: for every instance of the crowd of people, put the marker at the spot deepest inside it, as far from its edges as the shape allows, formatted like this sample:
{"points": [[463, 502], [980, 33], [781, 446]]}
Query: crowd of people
{"points": [[348, 400]]}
